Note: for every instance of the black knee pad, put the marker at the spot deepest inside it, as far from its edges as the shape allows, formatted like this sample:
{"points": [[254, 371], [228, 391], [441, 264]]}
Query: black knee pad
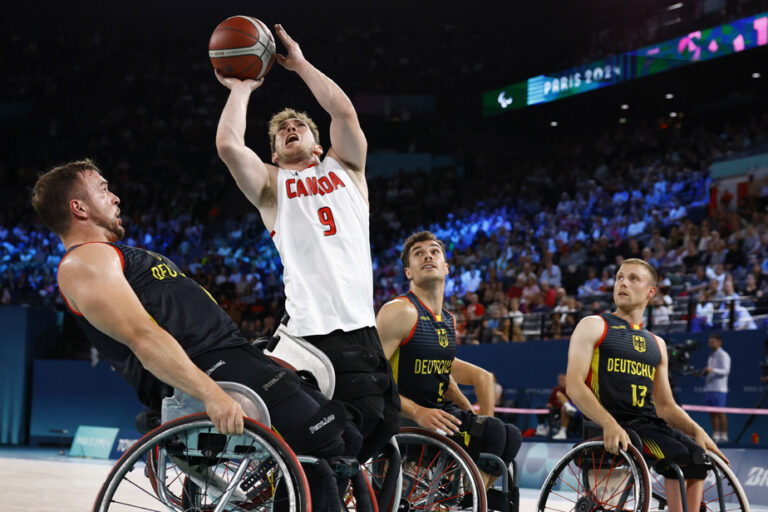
{"points": [[514, 441], [487, 435], [493, 436], [322, 434]]}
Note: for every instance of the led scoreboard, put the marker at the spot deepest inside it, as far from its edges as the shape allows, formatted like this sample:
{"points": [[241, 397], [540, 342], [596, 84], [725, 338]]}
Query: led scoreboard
{"points": [[700, 45]]}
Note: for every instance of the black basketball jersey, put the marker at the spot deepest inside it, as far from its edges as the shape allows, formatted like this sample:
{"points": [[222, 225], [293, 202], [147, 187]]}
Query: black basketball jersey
{"points": [[422, 363], [623, 367], [177, 304]]}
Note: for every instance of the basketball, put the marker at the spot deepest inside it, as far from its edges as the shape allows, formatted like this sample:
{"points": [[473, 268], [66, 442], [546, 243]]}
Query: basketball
{"points": [[242, 47]]}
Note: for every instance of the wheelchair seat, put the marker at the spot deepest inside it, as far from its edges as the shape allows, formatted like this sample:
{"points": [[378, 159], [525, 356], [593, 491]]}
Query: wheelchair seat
{"points": [[181, 404], [302, 355]]}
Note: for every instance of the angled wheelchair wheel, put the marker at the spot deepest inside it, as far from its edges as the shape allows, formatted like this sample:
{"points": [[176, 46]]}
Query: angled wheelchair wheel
{"points": [[386, 486], [589, 478], [187, 465], [722, 490], [437, 474]]}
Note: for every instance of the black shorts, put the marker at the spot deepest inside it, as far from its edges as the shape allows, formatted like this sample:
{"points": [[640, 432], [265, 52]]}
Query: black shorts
{"points": [[364, 382], [663, 444], [289, 399]]}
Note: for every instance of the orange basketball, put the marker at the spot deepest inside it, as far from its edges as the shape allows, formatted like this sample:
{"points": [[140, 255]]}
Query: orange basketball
{"points": [[242, 47]]}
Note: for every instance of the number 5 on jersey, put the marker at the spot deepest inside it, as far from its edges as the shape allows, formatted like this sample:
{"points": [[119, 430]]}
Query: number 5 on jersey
{"points": [[326, 219]]}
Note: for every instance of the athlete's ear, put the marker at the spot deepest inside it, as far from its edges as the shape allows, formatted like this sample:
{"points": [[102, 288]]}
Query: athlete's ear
{"points": [[318, 150], [447, 268], [408, 273], [78, 209], [274, 158], [651, 292]]}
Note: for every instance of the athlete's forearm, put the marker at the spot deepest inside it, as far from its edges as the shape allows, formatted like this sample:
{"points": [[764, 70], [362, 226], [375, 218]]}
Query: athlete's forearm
{"points": [[408, 407], [327, 93], [485, 391], [587, 402], [164, 358], [677, 418], [455, 395], [232, 123]]}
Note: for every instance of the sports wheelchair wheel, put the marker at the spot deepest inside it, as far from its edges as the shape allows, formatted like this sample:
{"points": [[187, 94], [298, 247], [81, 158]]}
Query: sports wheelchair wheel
{"points": [[722, 490], [187, 465], [437, 474], [589, 478], [386, 488]]}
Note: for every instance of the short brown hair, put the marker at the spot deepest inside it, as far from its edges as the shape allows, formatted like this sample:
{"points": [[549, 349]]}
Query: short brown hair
{"points": [[283, 116], [648, 267], [421, 236], [54, 189]]}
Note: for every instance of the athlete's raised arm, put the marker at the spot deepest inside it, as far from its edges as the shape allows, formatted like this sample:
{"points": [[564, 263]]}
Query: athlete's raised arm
{"points": [[254, 177], [348, 143]]}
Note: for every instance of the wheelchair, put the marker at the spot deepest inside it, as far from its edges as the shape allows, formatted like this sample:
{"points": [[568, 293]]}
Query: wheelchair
{"points": [[187, 465], [589, 478], [435, 473], [438, 474]]}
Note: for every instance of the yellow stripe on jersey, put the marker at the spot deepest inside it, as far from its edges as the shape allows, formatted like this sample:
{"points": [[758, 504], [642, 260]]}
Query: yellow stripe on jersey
{"points": [[653, 448], [595, 385], [394, 360]]}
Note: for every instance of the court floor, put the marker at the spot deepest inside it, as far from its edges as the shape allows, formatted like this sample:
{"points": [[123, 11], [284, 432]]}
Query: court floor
{"points": [[35, 480]]}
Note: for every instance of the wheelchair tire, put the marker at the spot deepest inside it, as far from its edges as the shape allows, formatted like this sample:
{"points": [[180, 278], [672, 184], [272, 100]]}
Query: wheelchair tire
{"points": [[437, 473], [734, 497], [589, 478], [376, 470], [186, 464]]}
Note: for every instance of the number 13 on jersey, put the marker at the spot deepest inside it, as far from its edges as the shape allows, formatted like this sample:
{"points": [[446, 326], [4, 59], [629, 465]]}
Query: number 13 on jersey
{"points": [[638, 395], [326, 219]]}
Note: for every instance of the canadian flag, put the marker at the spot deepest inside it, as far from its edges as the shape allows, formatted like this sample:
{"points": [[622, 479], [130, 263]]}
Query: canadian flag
{"points": [[728, 193]]}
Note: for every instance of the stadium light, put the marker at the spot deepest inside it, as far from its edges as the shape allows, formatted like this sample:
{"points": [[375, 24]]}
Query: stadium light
{"points": [[669, 96], [625, 107]]}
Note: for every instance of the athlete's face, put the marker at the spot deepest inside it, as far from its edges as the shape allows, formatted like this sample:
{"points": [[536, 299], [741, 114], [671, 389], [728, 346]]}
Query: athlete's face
{"points": [[102, 206], [295, 142], [426, 262], [633, 287]]}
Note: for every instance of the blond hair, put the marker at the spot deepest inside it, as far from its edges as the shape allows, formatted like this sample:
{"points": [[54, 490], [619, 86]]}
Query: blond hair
{"points": [[643, 263], [283, 116]]}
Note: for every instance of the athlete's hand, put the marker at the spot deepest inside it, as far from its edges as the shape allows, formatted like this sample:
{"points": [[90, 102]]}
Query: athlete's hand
{"points": [[437, 419], [615, 437], [295, 57], [706, 442], [230, 82], [225, 413]]}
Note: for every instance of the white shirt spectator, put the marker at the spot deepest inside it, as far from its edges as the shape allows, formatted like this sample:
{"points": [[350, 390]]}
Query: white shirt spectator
{"points": [[552, 275], [720, 362]]}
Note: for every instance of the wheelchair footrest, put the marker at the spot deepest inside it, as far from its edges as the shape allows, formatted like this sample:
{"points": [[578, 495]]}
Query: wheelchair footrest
{"points": [[345, 467]]}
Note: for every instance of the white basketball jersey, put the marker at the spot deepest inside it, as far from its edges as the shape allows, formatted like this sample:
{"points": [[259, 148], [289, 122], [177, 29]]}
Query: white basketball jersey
{"points": [[321, 232]]}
